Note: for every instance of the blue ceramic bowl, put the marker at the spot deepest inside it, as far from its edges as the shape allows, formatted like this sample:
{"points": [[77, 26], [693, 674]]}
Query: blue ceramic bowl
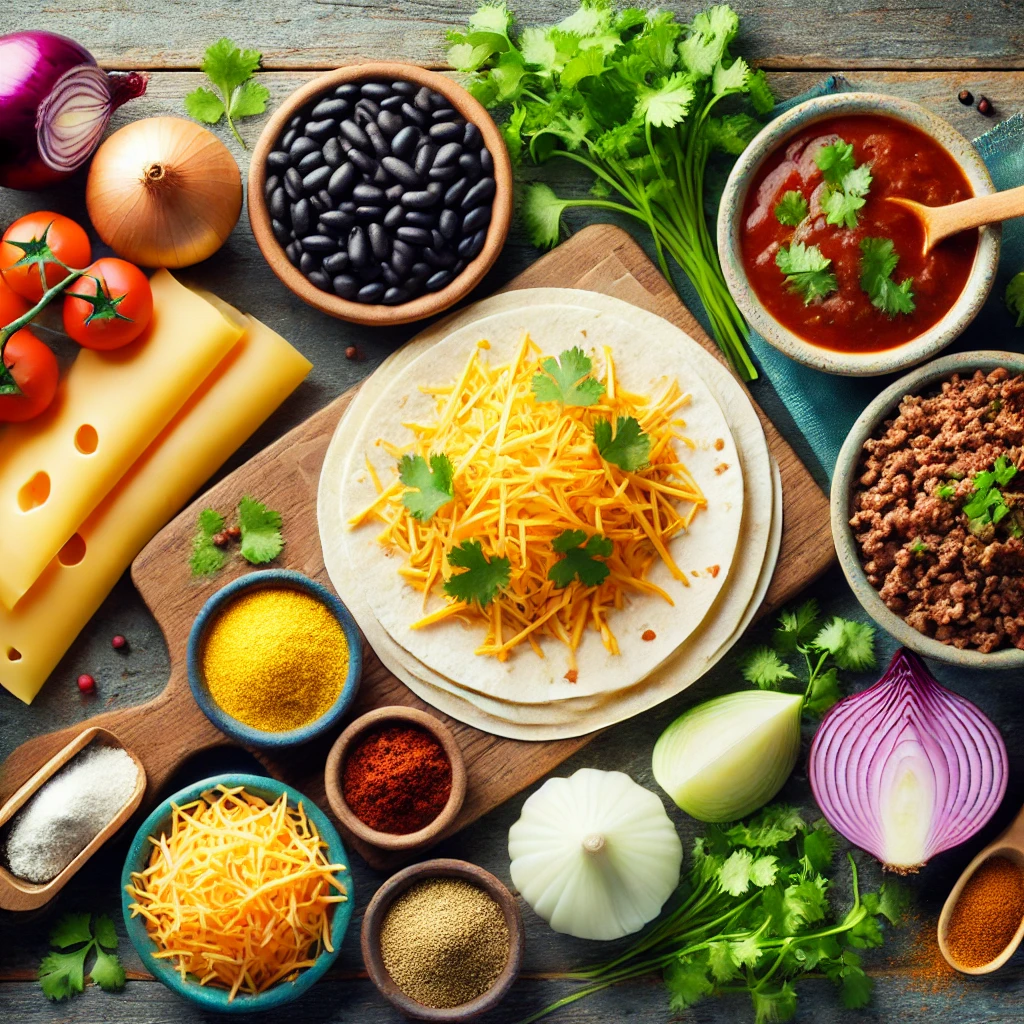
{"points": [[205, 996], [205, 619]]}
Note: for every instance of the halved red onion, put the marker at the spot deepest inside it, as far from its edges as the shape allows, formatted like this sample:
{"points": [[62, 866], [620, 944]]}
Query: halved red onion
{"points": [[907, 769]]}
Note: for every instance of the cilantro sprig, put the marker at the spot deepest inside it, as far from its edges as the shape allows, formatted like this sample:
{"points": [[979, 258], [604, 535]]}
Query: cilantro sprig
{"points": [[258, 531], [806, 271], [483, 577], [567, 380], [877, 262], [238, 94], [1015, 297], [847, 183], [431, 486], [581, 558], [792, 208], [629, 448], [75, 936]]}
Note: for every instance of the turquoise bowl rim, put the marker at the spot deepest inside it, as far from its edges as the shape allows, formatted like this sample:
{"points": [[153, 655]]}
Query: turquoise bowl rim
{"points": [[209, 612], [729, 226], [216, 999]]}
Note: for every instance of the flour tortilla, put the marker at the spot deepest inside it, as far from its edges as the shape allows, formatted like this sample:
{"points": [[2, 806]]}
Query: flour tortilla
{"points": [[448, 647]]}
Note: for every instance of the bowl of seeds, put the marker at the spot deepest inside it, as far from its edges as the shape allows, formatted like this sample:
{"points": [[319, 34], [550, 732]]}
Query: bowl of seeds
{"points": [[380, 193], [443, 940]]}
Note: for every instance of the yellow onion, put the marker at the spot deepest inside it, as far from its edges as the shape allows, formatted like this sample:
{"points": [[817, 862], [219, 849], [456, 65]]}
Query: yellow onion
{"points": [[164, 192]]}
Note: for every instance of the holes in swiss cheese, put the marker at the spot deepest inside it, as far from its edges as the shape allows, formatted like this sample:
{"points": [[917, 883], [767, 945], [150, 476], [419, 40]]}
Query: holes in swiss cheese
{"points": [[35, 492], [86, 439], [13, 654], [72, 552]]}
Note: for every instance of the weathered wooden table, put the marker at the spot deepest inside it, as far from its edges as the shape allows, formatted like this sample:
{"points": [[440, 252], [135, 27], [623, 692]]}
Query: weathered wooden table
{"points": [[925, 50]]}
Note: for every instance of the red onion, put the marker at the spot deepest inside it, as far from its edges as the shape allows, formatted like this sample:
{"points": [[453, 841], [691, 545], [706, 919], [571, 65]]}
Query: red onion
{"points": [[54, 105], [907, 769]]}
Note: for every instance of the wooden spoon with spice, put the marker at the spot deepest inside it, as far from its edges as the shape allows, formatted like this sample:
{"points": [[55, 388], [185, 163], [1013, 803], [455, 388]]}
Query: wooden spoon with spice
{"points": [[939, 222], [982, 922]]}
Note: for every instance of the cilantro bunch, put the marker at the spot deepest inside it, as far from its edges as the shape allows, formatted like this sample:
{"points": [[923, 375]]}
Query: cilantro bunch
{"points": [[754, 915], [632, 96]]}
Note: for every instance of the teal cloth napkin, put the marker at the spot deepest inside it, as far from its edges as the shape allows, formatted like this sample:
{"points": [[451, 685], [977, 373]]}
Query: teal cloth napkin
{"points": [[824, 406]]}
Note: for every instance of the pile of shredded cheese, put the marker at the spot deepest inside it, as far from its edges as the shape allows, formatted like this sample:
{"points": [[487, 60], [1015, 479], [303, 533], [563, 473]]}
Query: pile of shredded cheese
{"points": [[239, 894], [525, 471]]}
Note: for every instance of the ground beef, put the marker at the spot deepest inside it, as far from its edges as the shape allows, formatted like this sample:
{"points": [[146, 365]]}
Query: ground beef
{"points": [[959, 587]]}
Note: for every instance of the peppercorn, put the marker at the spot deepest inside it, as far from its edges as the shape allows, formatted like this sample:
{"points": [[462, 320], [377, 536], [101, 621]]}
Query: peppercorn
{"points": [[221, 540], [351, 352], [985, 106], [234, 532], [86, 683], [119, 643], [648, 635], [966, 97]]}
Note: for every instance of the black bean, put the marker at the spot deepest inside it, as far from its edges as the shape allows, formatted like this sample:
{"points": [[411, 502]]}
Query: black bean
{"points": [[459, 267], [379, 241], [294, 252], [449, 224], [394, 217], [403, 256], [281, 231], [296, 121], [437, 281], [368, 213], [318, 179], [444, 114], [288, 138], [444, 174], [469, 248], [394, 192], [336, 263], [321, 130], [447, 131], [416, 236], [417, 117], [376, 90], [278, 204], [363, 161], [476, 219], [336, 222], [358, 248], [471, 137], [271, 185], [326, 199], [293, 183], [455, 193], [302, 217], [482, 192], [348, 91], [422, 100], [436, 189], [310, 162], [371, 272], [279, 161], [438, 100], [390, 277], [318, 204], [401, 171], [390, 123], [403, 145], [319, 243], [486, 160], [308, 262], [348, 207], [425, 159], [418, 200], [351, 131], [439, 260], [380, 144], [404, 88], [396, 296], [419, 270], [367, 193], [330, 107], [366, 110], [469, 165], [392, 103], [439, 240], [301, 146], [372, 292], [345, 286], [421, 218], [320, 279], [448, 154], [381, 177], [333, 155], [342, 180]]}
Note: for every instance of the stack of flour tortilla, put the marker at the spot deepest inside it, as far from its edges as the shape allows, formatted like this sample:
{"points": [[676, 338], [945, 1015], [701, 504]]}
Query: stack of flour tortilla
{"points": [[527, 696]]}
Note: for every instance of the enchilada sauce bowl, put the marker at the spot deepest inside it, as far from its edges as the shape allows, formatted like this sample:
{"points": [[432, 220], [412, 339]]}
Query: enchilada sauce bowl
{"points": [[910, 153]]}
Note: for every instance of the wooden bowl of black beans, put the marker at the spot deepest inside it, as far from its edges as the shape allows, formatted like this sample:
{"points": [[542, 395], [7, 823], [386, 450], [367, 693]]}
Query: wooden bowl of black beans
{"points": [[380, 193]]}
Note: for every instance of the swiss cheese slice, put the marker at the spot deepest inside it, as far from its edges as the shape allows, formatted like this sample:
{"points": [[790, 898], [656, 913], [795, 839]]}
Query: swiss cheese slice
{"points": [[55, 469], [249, 384]]}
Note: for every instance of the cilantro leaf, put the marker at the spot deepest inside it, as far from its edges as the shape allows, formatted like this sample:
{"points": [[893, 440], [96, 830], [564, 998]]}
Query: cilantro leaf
{"points": [[734, 878], [1015, 297], [261, 531], [433, 486], [986, 506], [687, 983], [792, 208], [822, 693], [542, 212], [723, 962], [711, 32], [731, 133], [820, 847], [580, 561], [878, 261], [796, 627], [106, 934], [806, 271], [229, 70], [629, 449], [567, 380], [946, 492], [483, 577], [851, 643], [768, 829], [667, 104], [835, 162], [107, 971], [62, 975], [841, 208], [773, 1004], [72, 929], [763, 667], [207, 558]]}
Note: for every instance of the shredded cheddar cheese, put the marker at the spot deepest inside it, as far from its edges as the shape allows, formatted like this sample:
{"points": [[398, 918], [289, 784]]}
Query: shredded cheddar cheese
{"points": [[239, 893], [524, 472]]}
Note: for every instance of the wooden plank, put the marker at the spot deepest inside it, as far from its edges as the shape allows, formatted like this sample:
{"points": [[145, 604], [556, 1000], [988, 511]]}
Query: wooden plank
{"points": [[794, 34]]}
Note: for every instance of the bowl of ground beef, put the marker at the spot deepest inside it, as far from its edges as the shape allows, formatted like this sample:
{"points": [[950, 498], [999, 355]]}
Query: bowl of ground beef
{"points": [[928, 510]]}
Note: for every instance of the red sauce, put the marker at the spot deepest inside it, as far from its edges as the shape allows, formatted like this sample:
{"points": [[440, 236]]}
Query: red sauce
{"points": [[904, 162]]}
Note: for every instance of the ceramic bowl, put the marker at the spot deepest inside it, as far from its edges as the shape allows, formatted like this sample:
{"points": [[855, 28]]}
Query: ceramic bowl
{"points": [[378, 909], [429, 834], [215, 605], [730, 227], [204, 996], [925, 378], [431, 302]]}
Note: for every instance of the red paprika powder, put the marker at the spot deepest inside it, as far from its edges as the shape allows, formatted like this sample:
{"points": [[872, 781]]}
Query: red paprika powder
{"points": [[397, 779]]}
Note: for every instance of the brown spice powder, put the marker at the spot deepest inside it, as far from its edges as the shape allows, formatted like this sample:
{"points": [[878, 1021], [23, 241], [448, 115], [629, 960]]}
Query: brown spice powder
{"points": [[987, 914]]}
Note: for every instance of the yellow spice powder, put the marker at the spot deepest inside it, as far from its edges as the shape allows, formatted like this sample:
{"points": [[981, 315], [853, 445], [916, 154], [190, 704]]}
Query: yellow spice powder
{"points": [[275, 659]]}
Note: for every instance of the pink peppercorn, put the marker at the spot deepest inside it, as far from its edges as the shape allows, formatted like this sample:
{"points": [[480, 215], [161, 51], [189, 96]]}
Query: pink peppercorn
{"points": [[86, 683]]}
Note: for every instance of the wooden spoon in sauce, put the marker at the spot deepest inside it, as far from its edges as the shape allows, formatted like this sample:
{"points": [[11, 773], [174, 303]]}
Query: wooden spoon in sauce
{"points": [[1010, 845], [939, 222]]}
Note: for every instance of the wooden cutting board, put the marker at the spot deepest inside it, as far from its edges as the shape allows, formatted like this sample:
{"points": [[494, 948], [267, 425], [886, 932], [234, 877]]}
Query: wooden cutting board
{"points": [[171, 728]]}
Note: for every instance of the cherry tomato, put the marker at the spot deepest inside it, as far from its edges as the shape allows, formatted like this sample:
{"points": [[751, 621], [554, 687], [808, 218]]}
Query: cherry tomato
{"points": [[65, 239], [12, 305], [113, 315], [34, 369]]}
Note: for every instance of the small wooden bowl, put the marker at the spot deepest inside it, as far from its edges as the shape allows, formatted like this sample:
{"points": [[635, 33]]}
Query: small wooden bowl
{"points": [[429, 834], [431, 302], [378, 909]]}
